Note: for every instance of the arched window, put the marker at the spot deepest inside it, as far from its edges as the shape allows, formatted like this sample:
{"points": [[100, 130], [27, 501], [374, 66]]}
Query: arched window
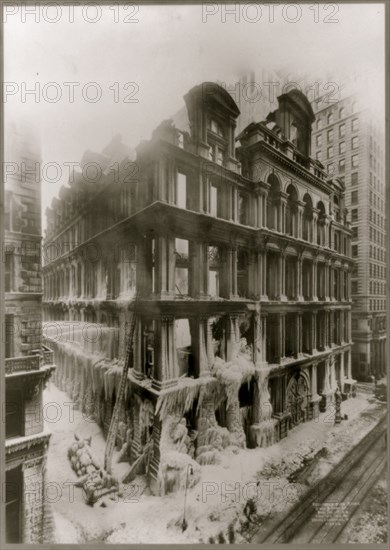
{"points": [[342, 112], [330, 118], [273, 202], [291, 211], [307, 218], [321, 223]]}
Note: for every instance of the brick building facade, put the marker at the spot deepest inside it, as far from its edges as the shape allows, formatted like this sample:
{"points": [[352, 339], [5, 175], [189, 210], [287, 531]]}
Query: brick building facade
{"points": [[28, 363], [349, 142]]}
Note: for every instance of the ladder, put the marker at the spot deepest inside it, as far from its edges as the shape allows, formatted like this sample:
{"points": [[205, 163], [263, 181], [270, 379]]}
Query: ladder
{"points": [[113, 429]]}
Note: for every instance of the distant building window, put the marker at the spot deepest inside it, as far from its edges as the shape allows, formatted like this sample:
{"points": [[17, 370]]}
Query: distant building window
{"points": [[330, 152], [355, 161], [9, 272], [355, 324], [355, 142], [355, 124], [319, 155], [330, 168], [330, 118], [354, 107], [342, 112], [354, 197], [354, 214], [342, 147], [354, 178], [342, 165], [9, 335], [342, 130], [355, 251], [319, 124], [355, 232], [354, 287], [330, 135]]}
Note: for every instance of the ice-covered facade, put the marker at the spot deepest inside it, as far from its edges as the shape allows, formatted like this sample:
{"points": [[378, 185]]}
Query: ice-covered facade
{"points": [[239, 257]]}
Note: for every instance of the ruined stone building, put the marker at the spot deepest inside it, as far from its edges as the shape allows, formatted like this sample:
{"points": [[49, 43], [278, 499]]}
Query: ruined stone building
{"points": [[235, 256], [28, 363], [349, 142]]}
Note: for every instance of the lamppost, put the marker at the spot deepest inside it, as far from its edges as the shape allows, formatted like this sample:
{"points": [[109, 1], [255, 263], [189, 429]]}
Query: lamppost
{"points": [[184, 524]]}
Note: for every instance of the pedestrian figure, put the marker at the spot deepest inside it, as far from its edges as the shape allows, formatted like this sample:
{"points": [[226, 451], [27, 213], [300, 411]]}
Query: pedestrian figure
{"points": [[337, 395]]}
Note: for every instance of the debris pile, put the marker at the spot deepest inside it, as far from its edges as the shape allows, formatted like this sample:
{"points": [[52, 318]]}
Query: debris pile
{"points": [[95, 481]]}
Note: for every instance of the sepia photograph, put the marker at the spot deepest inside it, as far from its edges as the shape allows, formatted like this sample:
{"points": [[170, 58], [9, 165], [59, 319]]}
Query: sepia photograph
{"points": [[194, 274]]}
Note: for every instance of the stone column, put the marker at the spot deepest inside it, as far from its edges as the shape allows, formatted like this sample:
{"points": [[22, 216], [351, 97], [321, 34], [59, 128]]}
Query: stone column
{"points": [[281, 336], [160, 372], [331, 314], [298, 278], [315, 398], [209, 344], [333, 373], [234, 272], [199, 337], [264, 338], [300, 207], [281, 276], [259, 260], [314, 331], [282, 212], [326, 280], [230, 334], [298, 334], [160, 263], [137, 357], [259, 200], [264, 273], [314, 280], [205, 184], [252, 274], [341, 327], [349, 365], [328, 383], [326, 328], [342, 372], [199, 268], [265, 208], [173, 368]]}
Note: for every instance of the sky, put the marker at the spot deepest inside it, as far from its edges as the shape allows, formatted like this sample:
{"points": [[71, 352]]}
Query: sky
{"points": [[129, 67]]}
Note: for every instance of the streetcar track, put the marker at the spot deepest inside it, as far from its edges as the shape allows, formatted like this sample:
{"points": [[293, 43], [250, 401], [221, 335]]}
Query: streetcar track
{"points": [[286, 528], [329, 532], [369, 483], [341, 494]]}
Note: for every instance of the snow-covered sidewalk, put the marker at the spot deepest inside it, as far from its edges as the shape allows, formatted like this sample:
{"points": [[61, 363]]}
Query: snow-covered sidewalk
{"points": [[216, 501]]}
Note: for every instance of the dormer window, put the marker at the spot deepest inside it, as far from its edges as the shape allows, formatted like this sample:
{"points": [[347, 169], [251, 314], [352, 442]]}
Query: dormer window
{"points": [[294, 133], [215, 127]]}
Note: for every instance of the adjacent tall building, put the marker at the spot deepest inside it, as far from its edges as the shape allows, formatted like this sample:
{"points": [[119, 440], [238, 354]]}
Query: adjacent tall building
{"points": [[236, 263], [348, 140], [28, 363]]}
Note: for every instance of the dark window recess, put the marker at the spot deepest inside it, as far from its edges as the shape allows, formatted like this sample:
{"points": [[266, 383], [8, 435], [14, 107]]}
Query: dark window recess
{"points": [[13, 500], [14, 410]]}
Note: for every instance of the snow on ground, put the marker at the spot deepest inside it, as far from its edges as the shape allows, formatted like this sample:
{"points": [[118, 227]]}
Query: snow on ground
{"points": [[217, 500], [369, 523]]}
